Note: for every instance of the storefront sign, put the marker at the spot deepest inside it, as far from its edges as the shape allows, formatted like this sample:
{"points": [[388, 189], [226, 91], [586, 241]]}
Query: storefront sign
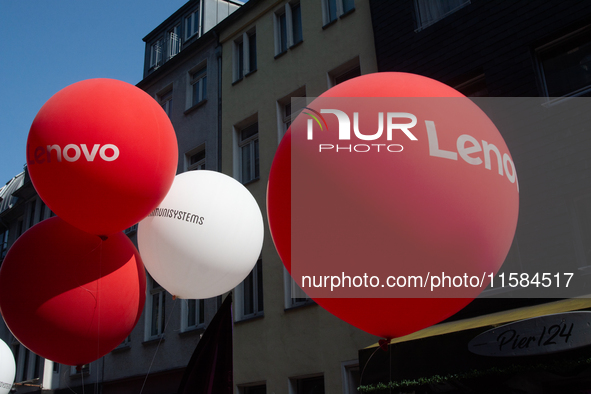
{"points": [[540, 335]]}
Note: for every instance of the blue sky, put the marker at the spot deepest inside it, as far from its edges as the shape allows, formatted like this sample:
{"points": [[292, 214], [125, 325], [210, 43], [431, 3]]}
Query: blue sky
{"points": [[50, 44]]}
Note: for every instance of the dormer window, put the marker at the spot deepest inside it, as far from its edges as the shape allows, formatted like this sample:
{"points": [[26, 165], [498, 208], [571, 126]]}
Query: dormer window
{"points": [[174, 41], [192, 24], [156, 54]]}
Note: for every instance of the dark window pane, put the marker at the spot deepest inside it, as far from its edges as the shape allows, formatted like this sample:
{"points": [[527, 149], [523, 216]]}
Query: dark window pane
{"points": [[311, 385], [348, 5], [296, 15], [567, 69], [252, 52], [249, 294], [259, 267]]}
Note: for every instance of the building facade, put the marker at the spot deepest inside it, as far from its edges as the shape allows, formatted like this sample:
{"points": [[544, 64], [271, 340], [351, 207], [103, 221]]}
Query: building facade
{"points": [[504, 55], [273, 51]]}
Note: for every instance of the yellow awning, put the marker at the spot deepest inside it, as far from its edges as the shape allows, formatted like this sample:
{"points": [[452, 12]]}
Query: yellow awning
{"points": [[496, 319]]}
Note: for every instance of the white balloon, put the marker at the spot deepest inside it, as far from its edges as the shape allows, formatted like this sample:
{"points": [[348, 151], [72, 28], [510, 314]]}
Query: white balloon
{"points": [[204, 238], [7, 368]]}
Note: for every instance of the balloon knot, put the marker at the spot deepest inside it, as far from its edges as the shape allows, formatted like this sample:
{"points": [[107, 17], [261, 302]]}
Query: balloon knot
{"points": [[103, 237], [384, 344]]}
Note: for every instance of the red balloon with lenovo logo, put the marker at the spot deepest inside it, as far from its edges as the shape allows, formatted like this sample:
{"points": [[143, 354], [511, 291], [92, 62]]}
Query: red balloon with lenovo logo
{"points": [[83, 295], [102, 154], [392, 200]]}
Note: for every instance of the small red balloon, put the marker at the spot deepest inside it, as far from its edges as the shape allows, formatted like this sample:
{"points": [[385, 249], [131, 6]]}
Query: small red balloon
{"points": [[102, 154], [84, 295], [443, 203]]}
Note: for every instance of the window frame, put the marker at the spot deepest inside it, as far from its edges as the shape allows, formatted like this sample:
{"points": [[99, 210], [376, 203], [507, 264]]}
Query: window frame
{"points": [[562, 45], [297, 98], [199, 164], [156, 54], [257, 292], [175, 42], [292, 293], [4, 236], [151, 291], [198, 85], [199, 310], [247, 388], [340, 9], [164, 98], [285, 27], [423, 24], [252, 142], [295, 383], [190, 20], [244, 55]]}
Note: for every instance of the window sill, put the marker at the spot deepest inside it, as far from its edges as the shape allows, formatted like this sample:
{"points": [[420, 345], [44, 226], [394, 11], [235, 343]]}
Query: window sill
{"points": [[248, 74], [251, 181], [250, 318], [194, 107], [332, 22], [121, 348], [154, 340], [300, 305], [280, 54], [296, 44], [236, 81], [192, 331], [352, 10]]}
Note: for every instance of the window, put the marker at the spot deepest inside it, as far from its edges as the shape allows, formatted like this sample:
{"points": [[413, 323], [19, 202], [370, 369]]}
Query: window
{"points": [[155, 309], [252, 389], [345, 71], [307, 385], [28, 364], [351, 376], [126, 344], [354, 72], [294, 295], [165, 100], [332, 9], [83, 370], [288, 27], [156, 54], [198, 83], [32, 219], [474, 87], [3, 243], [565, 65], [174, 41], [192, 314], [192, 24], [244, 55], [195, 159], [249, 153], [288, 108], [249, 300], [430, 11]]}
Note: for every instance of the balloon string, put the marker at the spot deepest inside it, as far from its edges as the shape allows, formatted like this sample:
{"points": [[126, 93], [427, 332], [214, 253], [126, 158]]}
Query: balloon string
{"points": [[158, 347], [65, 378], [369, 359]]}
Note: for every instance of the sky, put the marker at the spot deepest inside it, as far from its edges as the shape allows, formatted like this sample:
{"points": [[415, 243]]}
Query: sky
{"points": [[50, 44]]}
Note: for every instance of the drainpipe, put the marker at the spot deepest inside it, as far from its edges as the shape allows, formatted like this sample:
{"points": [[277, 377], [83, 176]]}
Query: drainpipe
{"points": [[218, 53]]}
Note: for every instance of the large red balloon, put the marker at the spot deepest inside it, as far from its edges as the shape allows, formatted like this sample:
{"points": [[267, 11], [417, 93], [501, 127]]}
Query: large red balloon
{"points": [[82, 296], [102, 154], [430, 208]]}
